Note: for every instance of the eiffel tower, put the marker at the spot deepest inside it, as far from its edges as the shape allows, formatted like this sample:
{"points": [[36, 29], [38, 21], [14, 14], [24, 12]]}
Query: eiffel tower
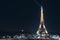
{"points": [[42, 29]]}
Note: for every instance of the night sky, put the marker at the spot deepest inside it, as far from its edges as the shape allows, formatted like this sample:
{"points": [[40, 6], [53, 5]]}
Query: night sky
{"points": [[24, 14]]}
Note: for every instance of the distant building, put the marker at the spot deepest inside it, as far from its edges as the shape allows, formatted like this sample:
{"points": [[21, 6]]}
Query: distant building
{"points": [[3, 37]]}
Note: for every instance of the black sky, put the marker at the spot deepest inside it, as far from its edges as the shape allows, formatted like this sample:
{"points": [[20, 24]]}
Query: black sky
{"points": [[24, 14]]}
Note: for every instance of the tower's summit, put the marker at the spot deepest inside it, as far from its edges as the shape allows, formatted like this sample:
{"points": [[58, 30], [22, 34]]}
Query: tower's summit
{"points": [[42, 29], [41, 19]]}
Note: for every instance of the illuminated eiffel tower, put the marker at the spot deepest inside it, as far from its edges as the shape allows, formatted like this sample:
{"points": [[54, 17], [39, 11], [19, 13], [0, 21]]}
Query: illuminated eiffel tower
{"points": [[42, 29]]}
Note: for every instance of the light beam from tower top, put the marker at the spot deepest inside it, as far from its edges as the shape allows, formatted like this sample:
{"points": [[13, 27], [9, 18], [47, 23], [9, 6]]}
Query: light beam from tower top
{"points": [[42, 17]]}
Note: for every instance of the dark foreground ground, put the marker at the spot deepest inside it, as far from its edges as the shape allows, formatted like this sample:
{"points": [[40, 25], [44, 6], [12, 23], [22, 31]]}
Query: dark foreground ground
{"points": [[27, 39]]}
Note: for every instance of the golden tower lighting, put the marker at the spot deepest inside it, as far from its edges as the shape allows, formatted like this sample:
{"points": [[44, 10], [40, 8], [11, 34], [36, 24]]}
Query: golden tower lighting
{"points": [[42, 25]]}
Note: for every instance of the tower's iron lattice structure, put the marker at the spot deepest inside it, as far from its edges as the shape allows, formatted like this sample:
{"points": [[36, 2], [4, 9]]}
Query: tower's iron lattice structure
{"points": [[42, 29]]}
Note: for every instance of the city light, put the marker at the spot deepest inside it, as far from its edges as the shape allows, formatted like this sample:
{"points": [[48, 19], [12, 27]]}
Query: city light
{"points": [[41, 33]]}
